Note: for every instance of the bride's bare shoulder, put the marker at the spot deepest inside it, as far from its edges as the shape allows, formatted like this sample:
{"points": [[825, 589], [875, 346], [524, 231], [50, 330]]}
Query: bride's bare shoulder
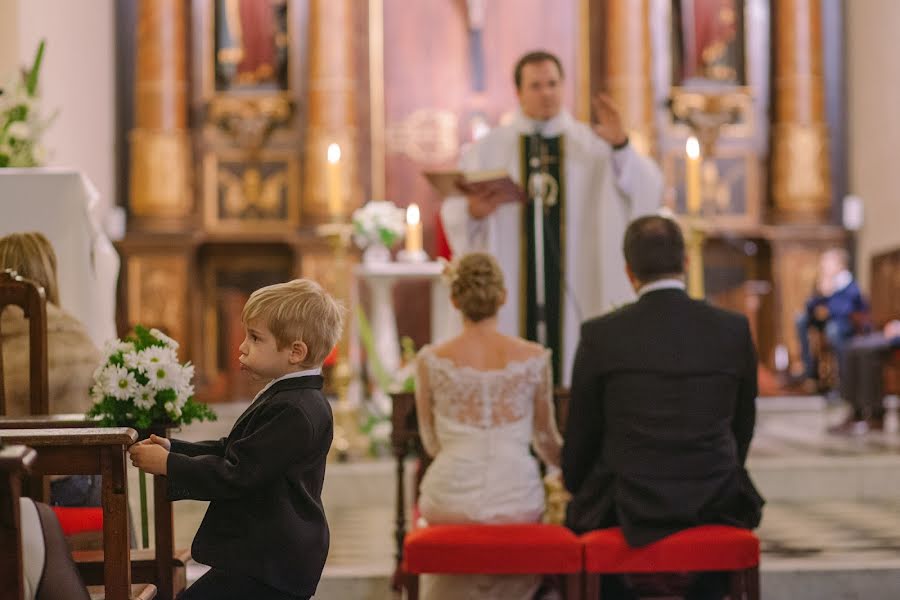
{"points": [[520, 349]]}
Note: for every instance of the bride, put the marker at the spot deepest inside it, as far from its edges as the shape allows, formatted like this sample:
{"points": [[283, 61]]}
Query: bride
{"points": [[482, 398]]}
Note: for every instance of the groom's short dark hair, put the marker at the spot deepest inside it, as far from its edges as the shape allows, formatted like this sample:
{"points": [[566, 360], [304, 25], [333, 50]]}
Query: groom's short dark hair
{"points": [[654, 248]]}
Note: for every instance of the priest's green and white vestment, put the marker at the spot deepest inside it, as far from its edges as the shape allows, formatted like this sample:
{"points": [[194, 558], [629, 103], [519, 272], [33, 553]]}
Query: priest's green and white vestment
{"points": [[599, 191]]}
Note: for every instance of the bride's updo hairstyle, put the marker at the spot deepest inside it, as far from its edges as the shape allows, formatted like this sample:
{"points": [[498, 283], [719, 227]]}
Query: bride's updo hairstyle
{"points": [[477, 286]]}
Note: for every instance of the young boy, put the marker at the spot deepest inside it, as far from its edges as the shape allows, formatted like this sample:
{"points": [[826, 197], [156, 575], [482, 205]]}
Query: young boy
{"points": [[264, 534]]}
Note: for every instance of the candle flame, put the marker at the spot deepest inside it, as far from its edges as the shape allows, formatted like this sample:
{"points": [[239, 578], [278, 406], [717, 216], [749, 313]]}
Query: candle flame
{"points": [[692, 147], [334, 153], [412, 214]]}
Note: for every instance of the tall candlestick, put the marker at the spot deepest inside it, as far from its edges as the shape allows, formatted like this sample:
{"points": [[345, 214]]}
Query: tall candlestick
{"points": [[334, 181], [692, 175], [413, 230]]}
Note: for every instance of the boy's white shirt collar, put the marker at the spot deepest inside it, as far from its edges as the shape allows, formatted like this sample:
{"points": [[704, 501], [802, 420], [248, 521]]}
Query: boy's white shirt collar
{"points": [[307, 373]]}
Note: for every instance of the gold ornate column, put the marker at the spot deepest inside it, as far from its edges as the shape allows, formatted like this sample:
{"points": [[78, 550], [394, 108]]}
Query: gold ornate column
{"points": [[801, 181], [160, 141], [628, 62], [331, 116]]}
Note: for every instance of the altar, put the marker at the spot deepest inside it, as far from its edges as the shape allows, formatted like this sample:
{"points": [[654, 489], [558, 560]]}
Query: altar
{"points": [[63, 205]]}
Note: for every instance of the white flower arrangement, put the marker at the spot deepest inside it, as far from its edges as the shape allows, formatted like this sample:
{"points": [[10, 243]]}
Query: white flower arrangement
{"points": [[378, 222], [21, 126], [141, 383]]}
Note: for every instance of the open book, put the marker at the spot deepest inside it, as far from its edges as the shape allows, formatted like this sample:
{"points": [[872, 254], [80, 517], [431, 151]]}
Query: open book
{"points": [[450, 182]]}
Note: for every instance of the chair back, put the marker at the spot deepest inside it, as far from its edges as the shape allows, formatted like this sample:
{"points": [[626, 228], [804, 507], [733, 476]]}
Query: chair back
{"points": [[29, 296], [15, 461]]}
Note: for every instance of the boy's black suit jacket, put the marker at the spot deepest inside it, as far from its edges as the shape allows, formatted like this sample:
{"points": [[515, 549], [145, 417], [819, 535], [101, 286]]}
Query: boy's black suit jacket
{"points": [[264, 483], [662, 412]]}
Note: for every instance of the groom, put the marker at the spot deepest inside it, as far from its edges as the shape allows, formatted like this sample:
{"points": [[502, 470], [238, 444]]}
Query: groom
{"points": [[662, 408]]}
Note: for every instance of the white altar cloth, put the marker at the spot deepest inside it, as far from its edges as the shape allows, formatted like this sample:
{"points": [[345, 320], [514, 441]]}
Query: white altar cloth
{"points": [[62, 204]]}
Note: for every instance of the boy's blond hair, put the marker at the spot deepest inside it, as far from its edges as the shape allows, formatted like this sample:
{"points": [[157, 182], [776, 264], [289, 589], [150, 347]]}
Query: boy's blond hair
{"points": [[31, 255], [298, 310]]}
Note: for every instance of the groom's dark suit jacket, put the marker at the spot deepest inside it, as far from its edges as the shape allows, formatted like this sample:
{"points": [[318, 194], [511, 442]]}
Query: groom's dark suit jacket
{"points": [[662, 411]]}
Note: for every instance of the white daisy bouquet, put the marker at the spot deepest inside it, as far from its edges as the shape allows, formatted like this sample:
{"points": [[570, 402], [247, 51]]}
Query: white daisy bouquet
{"points": [[378, 222], [141, 383], [21, 126]]}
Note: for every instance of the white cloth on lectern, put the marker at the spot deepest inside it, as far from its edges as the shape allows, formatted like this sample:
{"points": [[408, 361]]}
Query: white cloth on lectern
{"points": [[604, 190], [63, 205]]}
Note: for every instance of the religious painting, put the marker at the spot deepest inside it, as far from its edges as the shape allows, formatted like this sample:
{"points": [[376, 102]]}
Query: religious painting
{"points": [[258, 195], [708, 42], [251, 45]]}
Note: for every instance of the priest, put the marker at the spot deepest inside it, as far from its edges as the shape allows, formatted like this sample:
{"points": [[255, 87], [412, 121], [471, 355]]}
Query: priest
{"points": [[592, 183]]}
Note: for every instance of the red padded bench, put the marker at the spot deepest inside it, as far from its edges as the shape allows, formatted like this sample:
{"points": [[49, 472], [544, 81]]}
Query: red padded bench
{"points": [[509, 549], [705, 548], [515, 549]]}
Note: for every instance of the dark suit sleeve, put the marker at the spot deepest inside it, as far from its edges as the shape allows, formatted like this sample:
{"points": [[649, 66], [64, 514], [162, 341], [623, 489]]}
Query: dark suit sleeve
{"points": [[284, 436], [745, 411], [583, 438], [214, 447]]}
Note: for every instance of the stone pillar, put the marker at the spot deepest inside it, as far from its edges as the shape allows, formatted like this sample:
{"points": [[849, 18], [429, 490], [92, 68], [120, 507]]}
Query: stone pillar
{"points": [[160, 141], [628, 63], [9, 37], [801, 179], [331, 116]]}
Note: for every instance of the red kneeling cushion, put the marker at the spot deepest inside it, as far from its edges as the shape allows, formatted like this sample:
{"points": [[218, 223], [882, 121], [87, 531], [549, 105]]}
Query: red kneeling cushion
{"points": [[705, 548], [78, 519], [492, 549]]}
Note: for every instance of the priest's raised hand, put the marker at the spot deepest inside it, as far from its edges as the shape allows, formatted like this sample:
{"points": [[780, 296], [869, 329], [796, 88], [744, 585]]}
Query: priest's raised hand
{"points": [[609, 122]]}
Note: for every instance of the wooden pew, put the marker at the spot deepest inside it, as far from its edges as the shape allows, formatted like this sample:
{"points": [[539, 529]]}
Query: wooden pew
{"points": [[89, 451], [161, 565]]}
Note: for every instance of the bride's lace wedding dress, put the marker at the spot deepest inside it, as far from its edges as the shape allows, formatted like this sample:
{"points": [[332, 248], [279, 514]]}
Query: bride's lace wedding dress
{"points": [[478, 426]]}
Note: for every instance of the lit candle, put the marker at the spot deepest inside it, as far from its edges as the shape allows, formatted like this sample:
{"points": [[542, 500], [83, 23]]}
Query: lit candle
{"points": [[334, 181], [692, 175], [413, 230]]}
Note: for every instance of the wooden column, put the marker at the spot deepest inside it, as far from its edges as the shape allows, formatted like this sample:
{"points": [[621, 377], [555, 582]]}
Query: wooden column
{"points": [[331, 116], [627, 66], [801, 183], [160, 141]]}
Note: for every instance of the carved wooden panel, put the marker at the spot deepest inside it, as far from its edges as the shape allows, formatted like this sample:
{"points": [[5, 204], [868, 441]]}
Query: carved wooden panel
{"points": [[157, 294]]}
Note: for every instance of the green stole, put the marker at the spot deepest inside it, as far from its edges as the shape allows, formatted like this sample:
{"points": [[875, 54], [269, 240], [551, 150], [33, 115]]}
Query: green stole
{"points": [[554, 253]]}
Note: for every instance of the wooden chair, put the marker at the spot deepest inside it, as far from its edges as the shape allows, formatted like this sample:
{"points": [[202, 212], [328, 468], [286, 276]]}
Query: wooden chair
{"points": [[29, 296], [90, 451], [162, 565], [465, 549]]}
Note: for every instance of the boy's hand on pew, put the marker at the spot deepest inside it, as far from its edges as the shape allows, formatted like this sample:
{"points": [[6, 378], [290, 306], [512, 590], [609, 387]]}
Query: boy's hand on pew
{"points": [[151, 455]]}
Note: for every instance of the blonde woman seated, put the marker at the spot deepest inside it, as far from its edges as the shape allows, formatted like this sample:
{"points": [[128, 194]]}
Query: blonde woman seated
{"points": [[71, 356], [482, 398]]}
